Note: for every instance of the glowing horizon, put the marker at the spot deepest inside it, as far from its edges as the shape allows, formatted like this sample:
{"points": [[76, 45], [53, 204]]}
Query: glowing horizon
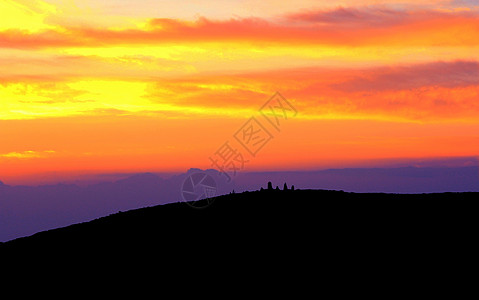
{"points": [[125, 86]]}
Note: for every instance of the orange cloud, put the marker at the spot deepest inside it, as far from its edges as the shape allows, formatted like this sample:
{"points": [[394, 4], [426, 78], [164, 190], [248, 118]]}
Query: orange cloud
{"points": [[333, 27], [22, 39], [423, 92], [368, 81], [426, 92]]}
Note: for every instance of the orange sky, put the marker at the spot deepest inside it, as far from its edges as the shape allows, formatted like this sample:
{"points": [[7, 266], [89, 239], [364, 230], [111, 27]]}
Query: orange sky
{"points": [[127, 86]]}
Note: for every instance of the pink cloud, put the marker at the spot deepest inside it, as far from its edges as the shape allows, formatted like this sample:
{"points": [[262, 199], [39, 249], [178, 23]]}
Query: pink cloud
{"points": [[439, 74]]}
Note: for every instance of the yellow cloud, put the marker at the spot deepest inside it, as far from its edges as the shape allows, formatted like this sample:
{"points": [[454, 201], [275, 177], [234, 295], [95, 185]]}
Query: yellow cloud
{"points": [[25, 15], [27, 154]]}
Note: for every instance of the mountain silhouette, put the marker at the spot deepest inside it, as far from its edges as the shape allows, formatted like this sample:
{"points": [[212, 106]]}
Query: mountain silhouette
{"points": [[341, 222], [25, 210]]}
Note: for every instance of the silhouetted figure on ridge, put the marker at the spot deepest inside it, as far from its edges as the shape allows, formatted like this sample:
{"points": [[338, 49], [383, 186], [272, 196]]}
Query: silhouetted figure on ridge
{"points": [[270, 186], [285, 187], [292, 187]]}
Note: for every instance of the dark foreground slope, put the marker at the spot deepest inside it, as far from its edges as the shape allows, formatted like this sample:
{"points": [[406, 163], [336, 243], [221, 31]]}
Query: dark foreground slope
{"points": [[303, 220]]}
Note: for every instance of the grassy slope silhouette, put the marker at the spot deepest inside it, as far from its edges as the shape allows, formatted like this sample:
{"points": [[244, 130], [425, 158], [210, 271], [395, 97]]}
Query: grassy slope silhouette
{"points": [[269, 217]]}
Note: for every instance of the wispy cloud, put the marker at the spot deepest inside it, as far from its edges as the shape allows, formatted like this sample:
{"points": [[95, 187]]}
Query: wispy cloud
{"points": [[340, 26], [438, 74], [28, 154]]}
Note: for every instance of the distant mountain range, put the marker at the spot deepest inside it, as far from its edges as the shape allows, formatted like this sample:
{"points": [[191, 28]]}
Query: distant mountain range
{"points": [[25, 210]]}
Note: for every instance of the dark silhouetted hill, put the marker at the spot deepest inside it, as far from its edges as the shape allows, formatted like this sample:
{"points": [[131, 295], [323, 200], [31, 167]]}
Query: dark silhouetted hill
{"points": [[333, 222], [25, 210]]}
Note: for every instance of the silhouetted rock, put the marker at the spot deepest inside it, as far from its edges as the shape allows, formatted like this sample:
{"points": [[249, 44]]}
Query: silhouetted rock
{"points": [[292, 187], [285, 187], [270, 186]]}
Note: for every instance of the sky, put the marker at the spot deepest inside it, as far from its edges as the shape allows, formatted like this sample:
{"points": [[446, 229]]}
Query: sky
{"points": [[90, 87]]}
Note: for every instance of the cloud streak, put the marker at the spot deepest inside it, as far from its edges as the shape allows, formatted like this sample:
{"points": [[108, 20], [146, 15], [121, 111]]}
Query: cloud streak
{"points": [[341, 26], [28, 154], [438, 74], [436, 91]]}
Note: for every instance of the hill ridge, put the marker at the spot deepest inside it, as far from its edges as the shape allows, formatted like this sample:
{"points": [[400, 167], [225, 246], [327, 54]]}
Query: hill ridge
{"points": [[250, 217]]}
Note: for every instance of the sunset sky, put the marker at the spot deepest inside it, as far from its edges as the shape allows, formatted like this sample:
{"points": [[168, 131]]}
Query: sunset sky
{"points": [[127, 86]]}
